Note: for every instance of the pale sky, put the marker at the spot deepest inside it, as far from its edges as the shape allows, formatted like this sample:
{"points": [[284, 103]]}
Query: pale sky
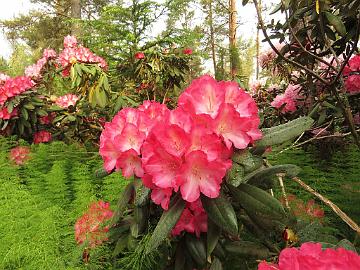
{"points": [[11, 8]]}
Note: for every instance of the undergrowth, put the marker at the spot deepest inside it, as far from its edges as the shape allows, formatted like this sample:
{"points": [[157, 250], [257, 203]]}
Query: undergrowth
{"points": [[337, 178], [40, 202]]}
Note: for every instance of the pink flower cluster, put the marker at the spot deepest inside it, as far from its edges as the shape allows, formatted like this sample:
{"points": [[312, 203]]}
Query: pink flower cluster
{"points": [[73, 53], [352, 73], [42, 137], [289, 98], [34, 71], [14, 86], [193, 219], [312, 256], [66, 100], [19, 154], [90, 228], [186, 149]]}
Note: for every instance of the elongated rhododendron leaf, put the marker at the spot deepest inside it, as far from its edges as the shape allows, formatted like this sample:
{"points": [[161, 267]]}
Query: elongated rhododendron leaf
{"points": [[289, 169], [221, 213], [166, 224], [247, 248], [213, 235], [282, 133], [123, 202]]}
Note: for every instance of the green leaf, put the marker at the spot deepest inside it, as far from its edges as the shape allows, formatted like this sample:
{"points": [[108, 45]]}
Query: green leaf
{"points": [[24, 113], [282, 133], [106, 83], [122, 203], [58, 118], [336, 22], [71, 118], [344, 243], [41, 112], [78, 69], [29, 106], [166, 223], [121, 244], [142, 193], [236, 175], [221, 213], [247, 249], [213, 235], [196, 248], [55, 108], [290, 169], [216, 264]]}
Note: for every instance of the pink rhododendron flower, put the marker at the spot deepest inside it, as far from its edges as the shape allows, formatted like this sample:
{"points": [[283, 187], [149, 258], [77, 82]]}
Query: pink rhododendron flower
{"points": [[289, 98], [70, 42], [3, 77], [42, 137], [193, 220], [73, 53], [66, 101], [19, 154], [4, 113], [186, 150], [13, 87], [34, 71], [352, 75], [49, 53], [187, 51], [312, 256], [139, 55], [90, 228]]}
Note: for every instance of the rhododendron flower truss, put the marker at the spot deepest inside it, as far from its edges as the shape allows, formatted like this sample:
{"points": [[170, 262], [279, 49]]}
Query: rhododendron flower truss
{"points": [[90, 228], [66, 101], [19, 154], [312, 256], [186, 150], [42, 137]]}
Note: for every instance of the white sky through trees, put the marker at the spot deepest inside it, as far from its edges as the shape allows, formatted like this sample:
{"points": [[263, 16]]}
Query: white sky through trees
{"points": [[10, 8]]}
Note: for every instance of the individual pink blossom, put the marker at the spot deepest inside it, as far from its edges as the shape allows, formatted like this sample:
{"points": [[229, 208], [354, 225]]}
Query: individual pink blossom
{"points": [[19, 154], [42, 137], [4, 113], [66, 101], [70, 41], [139, 55], [49, 53], [193, 220], [187, 51], [90, 228], [198, 175], [3, 77], [312, 256]]}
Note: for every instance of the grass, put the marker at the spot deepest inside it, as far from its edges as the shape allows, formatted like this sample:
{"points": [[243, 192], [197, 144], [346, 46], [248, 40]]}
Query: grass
{"points": [[40, 202]]}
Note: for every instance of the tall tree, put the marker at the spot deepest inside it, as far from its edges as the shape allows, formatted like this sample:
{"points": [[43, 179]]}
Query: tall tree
{"points": [[234, 57], [75, 15]]}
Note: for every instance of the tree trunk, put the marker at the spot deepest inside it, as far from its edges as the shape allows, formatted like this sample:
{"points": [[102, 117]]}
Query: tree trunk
{"points": [[212, 38], [232, 39], [76, 14], [258, 48]]}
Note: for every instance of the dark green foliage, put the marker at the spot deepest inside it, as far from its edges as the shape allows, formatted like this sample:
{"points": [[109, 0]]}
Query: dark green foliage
{"points": [[41, 201], [336, 178]]}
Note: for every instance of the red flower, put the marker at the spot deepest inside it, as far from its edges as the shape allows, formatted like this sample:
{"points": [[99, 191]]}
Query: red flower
{"points": [[90, 228], [19, 154], [193, 220], [42, 137], [187, 51], [139, 55]]}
